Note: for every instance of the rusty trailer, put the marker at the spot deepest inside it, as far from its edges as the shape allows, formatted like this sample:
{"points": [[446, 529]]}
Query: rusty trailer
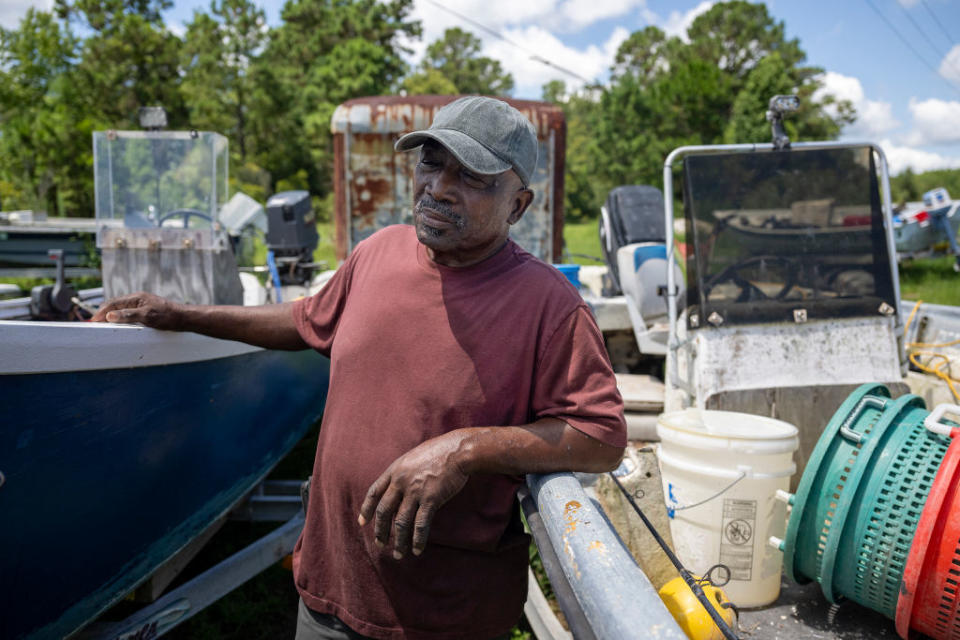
{"points": [[373, 184]]}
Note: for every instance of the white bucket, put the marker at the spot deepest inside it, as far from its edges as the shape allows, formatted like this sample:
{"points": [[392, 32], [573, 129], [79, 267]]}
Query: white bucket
{"points": [[721, 471]]}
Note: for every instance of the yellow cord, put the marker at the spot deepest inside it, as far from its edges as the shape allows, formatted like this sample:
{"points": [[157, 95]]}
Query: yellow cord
{"points": [[938, 370], [929, 368], [906, 327]]}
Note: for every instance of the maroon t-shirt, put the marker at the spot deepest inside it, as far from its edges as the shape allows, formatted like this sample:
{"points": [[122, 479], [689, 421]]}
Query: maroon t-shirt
{"points": [[418, 349]]}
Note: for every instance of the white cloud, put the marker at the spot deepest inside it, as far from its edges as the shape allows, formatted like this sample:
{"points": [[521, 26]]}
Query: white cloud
{"points": [[677, 23], [950, 65], [530, 74], [533, 27], [902, 157], [177, 28], [934, 122], [576, 14], [12, 11], [907, 3], [874, 117]]}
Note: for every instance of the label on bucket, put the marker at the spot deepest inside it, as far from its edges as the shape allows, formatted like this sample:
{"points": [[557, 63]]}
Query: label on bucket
{"points": [[736, 543]]}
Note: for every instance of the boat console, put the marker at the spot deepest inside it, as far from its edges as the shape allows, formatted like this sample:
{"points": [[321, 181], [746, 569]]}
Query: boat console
{"points": [[793, 297], [158, 199]]}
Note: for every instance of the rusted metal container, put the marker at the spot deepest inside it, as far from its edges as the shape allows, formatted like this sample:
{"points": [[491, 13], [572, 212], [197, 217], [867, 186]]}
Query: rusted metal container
{"points": [[373, 184]]}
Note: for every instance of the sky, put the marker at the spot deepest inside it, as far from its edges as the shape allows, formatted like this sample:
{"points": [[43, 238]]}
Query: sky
{"points": [[898, 61]]}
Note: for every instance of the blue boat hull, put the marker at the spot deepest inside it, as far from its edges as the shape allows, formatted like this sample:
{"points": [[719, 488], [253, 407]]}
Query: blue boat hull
{"points": [[109, 473]]}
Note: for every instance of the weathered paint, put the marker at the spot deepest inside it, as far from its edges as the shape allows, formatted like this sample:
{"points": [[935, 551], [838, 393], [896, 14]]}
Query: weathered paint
{"points": [[617, 598], [373, 184]]}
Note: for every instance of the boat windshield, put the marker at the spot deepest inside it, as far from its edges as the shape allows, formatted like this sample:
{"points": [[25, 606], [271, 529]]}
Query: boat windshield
{"points": [[785, 236], [155, 179]]}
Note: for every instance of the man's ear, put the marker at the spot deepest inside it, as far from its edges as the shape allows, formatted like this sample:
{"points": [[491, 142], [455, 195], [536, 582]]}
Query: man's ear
{"points": [[521, 201]]}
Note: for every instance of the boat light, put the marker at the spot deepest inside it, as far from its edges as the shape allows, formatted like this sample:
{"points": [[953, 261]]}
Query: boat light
{"points": [[784, 104]]}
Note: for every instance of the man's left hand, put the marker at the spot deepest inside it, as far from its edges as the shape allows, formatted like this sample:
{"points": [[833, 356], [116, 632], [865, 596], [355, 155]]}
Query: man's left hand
{"points": [[404, 499]]}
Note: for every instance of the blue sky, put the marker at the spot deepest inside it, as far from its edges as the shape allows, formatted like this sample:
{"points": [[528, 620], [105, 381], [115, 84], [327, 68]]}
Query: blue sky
{"points": [[907, 95]]}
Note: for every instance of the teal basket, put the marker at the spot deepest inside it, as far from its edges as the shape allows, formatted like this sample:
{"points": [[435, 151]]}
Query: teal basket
{"points": [[860, 498]]}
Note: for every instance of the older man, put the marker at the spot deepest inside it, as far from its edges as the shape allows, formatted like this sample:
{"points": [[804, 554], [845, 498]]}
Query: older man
{"points": [[459, 362]]}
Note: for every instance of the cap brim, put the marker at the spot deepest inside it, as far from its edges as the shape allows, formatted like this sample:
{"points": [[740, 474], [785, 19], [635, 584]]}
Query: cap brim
{"points": [[468, 151]]}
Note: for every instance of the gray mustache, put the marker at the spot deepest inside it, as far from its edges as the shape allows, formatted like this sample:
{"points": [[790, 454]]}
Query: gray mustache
{"points": [[442, 208]]}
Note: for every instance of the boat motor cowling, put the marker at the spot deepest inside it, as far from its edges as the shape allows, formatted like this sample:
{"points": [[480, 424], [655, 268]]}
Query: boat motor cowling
{"points": [[292, 235]]}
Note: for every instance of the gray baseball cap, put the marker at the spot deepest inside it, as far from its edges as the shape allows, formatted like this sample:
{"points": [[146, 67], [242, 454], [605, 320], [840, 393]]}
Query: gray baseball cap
{"points": [[486, 135]]}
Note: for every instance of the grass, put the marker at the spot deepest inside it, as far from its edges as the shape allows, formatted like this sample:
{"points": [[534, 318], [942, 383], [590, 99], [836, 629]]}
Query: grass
{"points": [[582, 243], [931, 280]]}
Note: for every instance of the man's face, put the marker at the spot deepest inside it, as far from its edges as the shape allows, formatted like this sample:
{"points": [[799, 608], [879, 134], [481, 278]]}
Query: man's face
{"points": [[460, 216]]}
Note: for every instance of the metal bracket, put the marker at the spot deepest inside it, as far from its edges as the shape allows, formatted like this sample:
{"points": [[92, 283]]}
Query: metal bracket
{"points": [[192, 597]]}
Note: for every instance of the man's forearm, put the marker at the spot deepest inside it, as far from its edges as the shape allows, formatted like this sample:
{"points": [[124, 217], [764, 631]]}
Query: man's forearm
{"points": [[544, 446], [405, 496], [269, 326]]}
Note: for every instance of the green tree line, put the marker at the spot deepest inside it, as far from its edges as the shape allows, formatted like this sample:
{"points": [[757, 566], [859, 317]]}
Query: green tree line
{"points": [[89, 65]]}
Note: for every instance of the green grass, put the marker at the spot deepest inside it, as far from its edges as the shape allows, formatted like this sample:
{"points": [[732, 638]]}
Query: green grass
{"points": [[931, 280], [582, 243]]}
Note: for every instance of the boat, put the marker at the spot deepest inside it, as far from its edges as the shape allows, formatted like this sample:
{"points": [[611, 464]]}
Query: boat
{"points": [[26, 237], [776, 314], [916, 231], [121, 446]]}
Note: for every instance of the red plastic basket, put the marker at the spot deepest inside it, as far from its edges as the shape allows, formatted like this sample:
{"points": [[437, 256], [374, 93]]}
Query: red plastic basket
{"points": [[929, 600]]}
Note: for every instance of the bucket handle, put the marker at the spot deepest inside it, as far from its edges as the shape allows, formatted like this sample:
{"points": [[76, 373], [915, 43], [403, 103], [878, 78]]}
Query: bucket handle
{"points": [[932, 421], [681, 507], [846, 429]]}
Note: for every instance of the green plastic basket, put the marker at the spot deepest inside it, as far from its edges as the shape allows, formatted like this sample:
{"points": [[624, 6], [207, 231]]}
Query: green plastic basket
{"points": [[861, 496], [832, 471]]}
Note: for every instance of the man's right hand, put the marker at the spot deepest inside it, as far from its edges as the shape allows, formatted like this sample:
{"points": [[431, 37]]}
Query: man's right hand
{"points": [[144, 308], [270, 326]]}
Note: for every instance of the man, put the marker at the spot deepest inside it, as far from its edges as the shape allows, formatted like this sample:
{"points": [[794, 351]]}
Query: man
{"points": [[459, 363]]}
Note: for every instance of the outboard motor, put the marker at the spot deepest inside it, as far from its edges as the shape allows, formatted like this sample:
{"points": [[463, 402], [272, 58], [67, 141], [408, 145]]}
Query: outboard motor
{"points": [[633, 238], [291, 237], [632, 214]]}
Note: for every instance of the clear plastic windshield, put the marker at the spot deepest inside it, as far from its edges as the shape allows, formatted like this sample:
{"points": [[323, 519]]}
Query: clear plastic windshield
{"points": [[149, 179], [784, 236]]}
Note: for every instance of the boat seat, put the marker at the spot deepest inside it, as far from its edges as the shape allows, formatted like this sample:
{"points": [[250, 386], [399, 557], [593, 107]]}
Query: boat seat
{"points": [[643, 279]]}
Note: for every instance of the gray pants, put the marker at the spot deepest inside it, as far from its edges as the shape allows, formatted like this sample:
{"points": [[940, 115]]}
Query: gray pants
{"points": [[322, 626]]}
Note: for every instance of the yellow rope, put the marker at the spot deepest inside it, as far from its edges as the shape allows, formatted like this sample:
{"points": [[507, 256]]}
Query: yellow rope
{"points": [[929, 368], [938, 370], [906, 327]]}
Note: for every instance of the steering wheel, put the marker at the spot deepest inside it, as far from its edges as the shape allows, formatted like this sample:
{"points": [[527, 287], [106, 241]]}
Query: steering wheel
{"points": [[750, 292], [186, 214]]}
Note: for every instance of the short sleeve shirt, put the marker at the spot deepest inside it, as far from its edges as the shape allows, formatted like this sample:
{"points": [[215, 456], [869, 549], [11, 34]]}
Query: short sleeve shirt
{"points": [[418, 349]]}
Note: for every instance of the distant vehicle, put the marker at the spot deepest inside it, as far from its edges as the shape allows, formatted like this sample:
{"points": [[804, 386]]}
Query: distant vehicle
{"points": [[920, 227]]}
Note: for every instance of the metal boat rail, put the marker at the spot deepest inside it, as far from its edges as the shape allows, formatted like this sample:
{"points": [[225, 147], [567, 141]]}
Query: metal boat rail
{"points": [[600, 588]]}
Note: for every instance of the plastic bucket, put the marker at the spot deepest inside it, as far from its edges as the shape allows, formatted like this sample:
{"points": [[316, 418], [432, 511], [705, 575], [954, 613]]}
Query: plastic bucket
{"points": [[721, 471], [571, 271]]}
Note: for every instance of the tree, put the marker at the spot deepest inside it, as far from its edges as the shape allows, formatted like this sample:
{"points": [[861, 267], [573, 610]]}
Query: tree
{"points": [[130, 60], [217, 56], [583, 188], [665, 93], [429, 82], [456, 57], [325, 52], [44, 136], [771, 77], [736, 36]]}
